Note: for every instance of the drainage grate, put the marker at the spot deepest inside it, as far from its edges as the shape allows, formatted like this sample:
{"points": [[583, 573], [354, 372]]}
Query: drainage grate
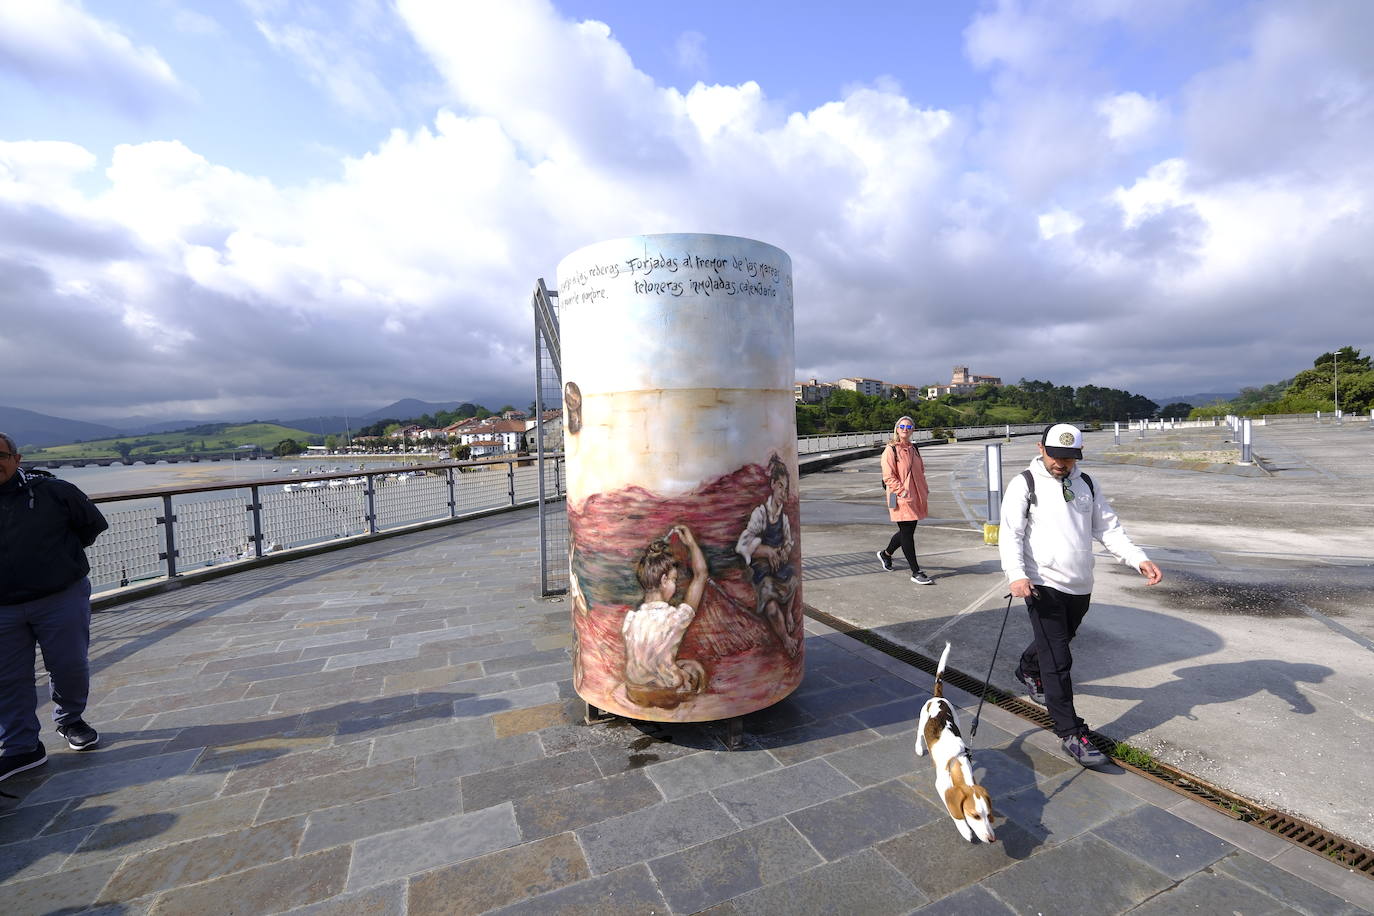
{"points": [[1343, 852]]}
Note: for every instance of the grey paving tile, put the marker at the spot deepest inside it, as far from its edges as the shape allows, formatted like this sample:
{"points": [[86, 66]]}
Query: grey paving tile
{"points": [[707, 770], [216, 714], [880, 760], [1211, 893], [431, 739], [847, 698], [237, 662], [394, 723], [499, 878], [897, 716], [846, 824], [123, 836], [268, 672], [1069, 879], [132, 801], [479, 757], [307, 795], [418, 848], [485, 705], [627, 892], [248, 753], [863, 883], [814, 739], [359, 709], [1248, 837], [766, 796], [23, 823], [346, 823], [939, 861], [528, 660], [717, 870], [100, 779], [1288, 889], [971, 901], [290, 768], [646, 746], [38, 856], [536, 718], [481, 790], [592, 802], [159, 704], [382, 900], [326, 648], [72, 894], [202, 859], [1060, 807], [313, 681], [544, 673], [312, 698], [1164, 842], [445, 676], [270, 888], [238, 733], [655, 831]]}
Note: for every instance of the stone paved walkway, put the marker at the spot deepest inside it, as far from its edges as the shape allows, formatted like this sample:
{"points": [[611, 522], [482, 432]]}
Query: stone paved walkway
{"points": [[390, 729]]}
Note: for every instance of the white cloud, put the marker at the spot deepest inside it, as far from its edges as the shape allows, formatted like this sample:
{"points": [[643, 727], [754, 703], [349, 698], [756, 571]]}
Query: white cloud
{"points": [[1130, 116], [690, 49], [409, 271], [57, 44], [331, 62]]}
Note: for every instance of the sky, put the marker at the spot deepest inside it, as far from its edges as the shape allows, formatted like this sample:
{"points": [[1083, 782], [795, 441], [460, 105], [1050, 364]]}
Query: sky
{"points": [[215, 208]]}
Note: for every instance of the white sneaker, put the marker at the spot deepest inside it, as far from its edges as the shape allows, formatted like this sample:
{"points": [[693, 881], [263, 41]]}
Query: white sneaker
{"points": [[885, 560], [922, 579]]}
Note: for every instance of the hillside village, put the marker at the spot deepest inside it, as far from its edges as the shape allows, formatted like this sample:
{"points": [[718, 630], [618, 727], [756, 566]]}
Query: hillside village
{"points": [[961, 381]]}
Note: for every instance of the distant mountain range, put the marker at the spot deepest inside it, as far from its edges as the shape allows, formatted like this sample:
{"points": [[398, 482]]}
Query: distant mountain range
{"points": [[36, 430]]}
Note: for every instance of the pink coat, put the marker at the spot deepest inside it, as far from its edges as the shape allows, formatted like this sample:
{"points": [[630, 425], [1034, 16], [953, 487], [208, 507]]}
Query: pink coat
{"points": [[904, 473]]}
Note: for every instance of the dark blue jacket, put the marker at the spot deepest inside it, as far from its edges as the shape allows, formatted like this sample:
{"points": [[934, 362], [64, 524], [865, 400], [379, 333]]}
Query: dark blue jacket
{"points": [[46, 524]]}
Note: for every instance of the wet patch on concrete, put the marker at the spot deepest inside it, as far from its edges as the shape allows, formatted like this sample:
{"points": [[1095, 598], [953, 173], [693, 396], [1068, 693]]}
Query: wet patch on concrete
{"points": [[1239, 593]]}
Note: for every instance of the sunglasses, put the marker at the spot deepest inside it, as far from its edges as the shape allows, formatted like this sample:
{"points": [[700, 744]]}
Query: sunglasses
{"points": [[5, 455], [905, 426], [1068, 490]]}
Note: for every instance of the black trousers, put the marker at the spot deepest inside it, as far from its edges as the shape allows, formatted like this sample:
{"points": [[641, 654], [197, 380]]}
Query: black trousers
{"points": [[1054, 618], [906, 539]]}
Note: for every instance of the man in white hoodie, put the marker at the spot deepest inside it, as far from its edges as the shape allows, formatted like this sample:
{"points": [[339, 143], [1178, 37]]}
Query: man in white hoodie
{"points": [[1050, 515]]}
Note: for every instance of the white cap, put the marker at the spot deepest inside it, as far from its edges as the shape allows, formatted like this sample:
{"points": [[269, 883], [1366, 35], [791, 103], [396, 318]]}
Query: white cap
{"points": [[1062, 441]]}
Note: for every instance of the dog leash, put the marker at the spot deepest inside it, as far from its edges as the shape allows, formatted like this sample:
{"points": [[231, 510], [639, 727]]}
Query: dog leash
{"points": [[974, 732]]}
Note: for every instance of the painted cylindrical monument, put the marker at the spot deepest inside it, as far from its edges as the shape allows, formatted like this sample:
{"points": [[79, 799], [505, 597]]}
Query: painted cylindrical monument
{"points": [[682, 475]]}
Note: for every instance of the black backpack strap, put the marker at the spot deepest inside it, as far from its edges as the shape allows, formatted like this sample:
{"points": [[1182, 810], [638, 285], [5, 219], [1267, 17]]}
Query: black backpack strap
{"points": [[1030, 491], [1089, 481]]}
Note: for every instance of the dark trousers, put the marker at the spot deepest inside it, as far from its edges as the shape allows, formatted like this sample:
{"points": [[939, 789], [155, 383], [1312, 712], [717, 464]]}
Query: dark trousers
{"points": [[1054, 618], [60, 625], [905, 538]]}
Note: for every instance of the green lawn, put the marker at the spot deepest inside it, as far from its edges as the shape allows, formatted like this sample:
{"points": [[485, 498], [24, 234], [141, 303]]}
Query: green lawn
{"points": [[214, 437]]}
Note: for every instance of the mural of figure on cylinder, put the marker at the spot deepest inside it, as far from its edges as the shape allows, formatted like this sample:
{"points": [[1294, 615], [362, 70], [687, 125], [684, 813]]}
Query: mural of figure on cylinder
{"points": [[682, 470]]}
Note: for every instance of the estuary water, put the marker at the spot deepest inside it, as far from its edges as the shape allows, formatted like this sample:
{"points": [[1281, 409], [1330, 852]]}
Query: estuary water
{"points": [[118, 478]]}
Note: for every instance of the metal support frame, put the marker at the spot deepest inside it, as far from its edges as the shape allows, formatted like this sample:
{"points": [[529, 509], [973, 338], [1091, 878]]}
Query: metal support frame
{"points": [[255, 506], [168, 521], [547, 346], [452, 495]]}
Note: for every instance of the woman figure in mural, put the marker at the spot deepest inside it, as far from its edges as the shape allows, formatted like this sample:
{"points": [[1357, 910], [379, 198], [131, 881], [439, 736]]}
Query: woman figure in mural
{"points": [[904, 476], [654, 675], [766, 545]]}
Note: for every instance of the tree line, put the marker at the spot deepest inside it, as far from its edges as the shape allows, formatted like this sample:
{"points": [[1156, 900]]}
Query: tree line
{"points": [[1343, 373]]}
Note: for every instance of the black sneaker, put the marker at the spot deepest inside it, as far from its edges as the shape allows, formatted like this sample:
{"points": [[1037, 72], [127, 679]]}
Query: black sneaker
{"points": [[18, 763], [1034, 689], [1081, 750], [922, 579], [79, 735], [886, 560]]}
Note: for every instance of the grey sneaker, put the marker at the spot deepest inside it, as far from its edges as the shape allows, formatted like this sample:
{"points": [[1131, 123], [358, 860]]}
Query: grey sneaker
{"points": [[886, 560], [1035, 690], [1081, 750], [79, 735], [922, 579]]}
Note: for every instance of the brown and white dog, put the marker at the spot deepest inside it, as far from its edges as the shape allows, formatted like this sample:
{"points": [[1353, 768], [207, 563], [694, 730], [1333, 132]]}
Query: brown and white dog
{"points": [[967, 802]]}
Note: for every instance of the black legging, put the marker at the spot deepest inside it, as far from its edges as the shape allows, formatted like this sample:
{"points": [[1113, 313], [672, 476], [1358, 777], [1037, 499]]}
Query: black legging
{"points": [[906, 539]]}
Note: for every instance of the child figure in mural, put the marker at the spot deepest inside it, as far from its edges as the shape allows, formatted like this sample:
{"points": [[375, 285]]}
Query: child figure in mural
{"points": [[766, 545], [654, 675]]}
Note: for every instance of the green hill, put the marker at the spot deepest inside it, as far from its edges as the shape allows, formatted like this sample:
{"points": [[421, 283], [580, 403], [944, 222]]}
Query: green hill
{"points": [[212, 437]]}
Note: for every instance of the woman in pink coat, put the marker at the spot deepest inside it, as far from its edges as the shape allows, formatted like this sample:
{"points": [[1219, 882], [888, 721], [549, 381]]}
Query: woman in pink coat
{"points": [[904, 476]]}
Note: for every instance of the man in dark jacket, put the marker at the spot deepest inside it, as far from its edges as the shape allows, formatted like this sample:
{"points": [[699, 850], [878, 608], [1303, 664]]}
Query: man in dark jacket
{"points": [[46, 525]]}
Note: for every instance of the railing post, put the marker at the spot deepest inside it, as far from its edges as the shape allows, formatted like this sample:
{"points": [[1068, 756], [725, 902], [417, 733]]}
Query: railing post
{"points": [[510, 480], [1142, 430], [452, 497], [1116, 431], [371, 503], [255, 506], [558, 475], [168, 521], [1245, 441], [994, 478]]}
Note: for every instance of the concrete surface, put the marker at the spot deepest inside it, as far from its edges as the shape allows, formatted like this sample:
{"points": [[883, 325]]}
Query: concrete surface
{"points": [[1251, 665]]}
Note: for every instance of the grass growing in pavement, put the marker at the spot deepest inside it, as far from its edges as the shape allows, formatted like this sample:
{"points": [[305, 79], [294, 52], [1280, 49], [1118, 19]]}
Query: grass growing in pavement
{"points": [[1133, 755]]}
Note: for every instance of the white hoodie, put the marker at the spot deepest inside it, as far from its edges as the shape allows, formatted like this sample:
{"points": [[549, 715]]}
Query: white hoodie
{"points": [[1054, 545]]}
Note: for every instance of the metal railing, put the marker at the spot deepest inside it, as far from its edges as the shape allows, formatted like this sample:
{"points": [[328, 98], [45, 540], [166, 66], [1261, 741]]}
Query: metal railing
{"points": [[835, 442], [167, 532]]}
